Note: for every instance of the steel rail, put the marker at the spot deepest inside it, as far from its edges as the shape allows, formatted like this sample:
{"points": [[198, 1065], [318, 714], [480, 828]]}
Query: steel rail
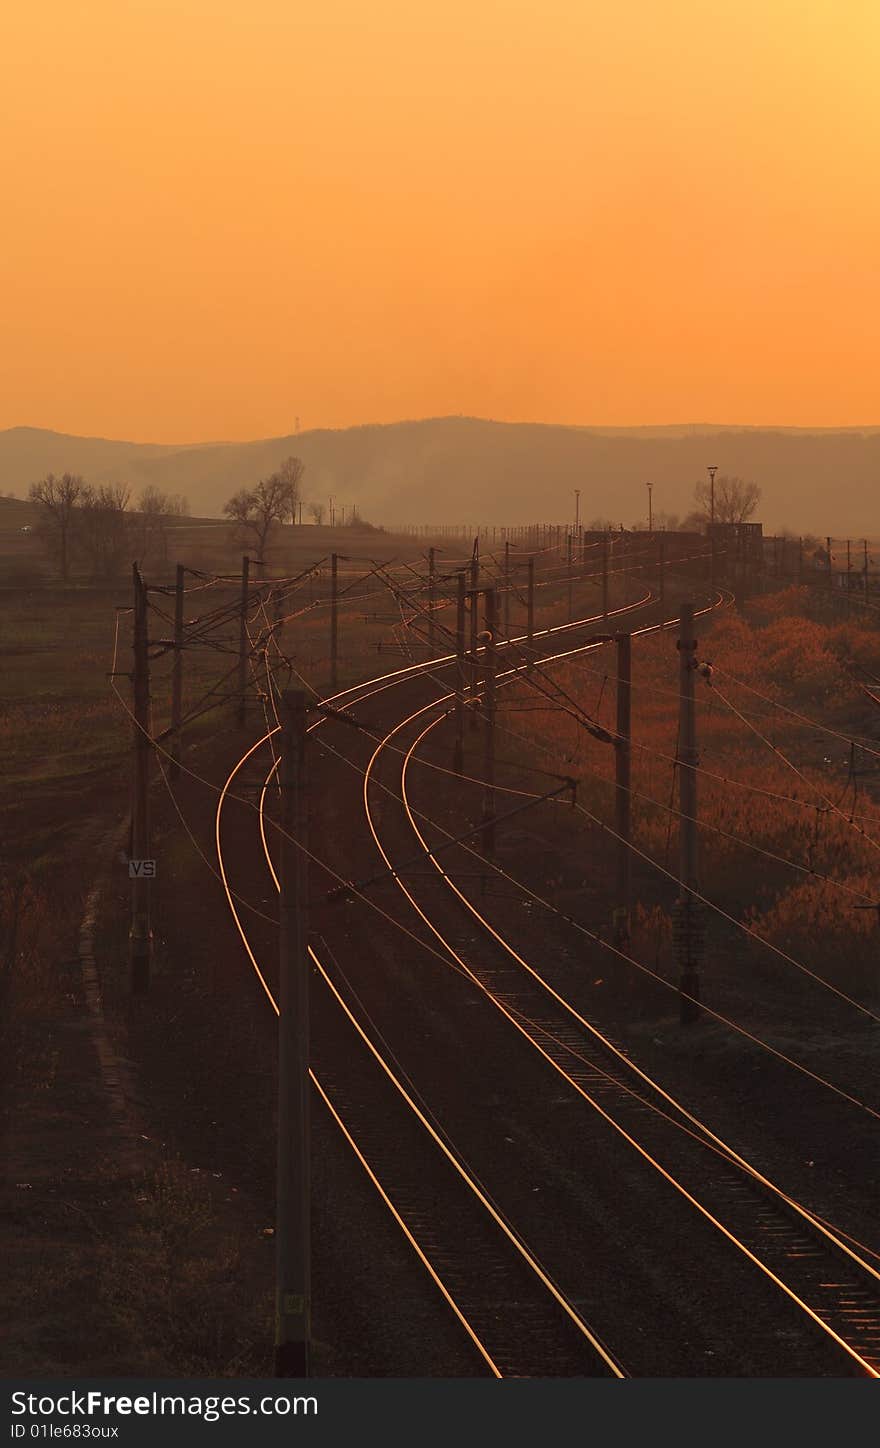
{"points": [[807, 1217]]}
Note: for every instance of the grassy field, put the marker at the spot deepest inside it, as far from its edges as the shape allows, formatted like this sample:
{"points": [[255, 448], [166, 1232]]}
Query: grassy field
{"points": [[775, 787]]}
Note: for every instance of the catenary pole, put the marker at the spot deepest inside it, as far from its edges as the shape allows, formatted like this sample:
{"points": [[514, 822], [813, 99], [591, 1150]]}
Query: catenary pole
{"points": [[530, 613], [293, 1215], [432, 599], [177, 675], [623, 795], [334, 620], [689, 925], [490, 657], [242, 637], [140, 936], [458, 754]]}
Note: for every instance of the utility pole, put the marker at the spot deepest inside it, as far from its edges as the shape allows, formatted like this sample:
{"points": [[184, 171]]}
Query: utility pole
{"points": [[570, 612], [623, 795], [711, 471], [474, 600], [334, 620], [530, 614], [177, 675], [458, 752], [489, 714], [293, 1306], [650, 487], [506, 605], [688, 924], [278, 616], [577, 509], [141, 867], [432, 599], [242, 637], [848, 576], [830, 566], [661, 569], [605, 577], [865, 547]]}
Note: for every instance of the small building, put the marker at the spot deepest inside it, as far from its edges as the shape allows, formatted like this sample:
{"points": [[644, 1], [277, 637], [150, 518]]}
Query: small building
{"points": [[742, 542]]}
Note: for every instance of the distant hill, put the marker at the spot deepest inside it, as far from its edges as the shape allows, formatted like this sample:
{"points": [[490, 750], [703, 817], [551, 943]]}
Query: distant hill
{"points": [[460, 469]]}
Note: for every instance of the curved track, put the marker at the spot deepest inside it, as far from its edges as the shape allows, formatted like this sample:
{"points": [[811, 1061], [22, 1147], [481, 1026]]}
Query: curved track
{"points": [[775, 1235], [475, 1257]]}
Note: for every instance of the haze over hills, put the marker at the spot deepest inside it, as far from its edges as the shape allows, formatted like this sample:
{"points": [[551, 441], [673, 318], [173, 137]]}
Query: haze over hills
{"points": [[461, 469]]}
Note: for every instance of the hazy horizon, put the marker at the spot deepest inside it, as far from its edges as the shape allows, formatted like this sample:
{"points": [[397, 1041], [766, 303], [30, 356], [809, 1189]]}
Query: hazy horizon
{"points": [[684, 428]]}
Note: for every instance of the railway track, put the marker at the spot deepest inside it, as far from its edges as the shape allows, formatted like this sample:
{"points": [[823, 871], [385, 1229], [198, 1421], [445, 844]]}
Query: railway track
{"points": [[516, 1319], [825, 1280]]}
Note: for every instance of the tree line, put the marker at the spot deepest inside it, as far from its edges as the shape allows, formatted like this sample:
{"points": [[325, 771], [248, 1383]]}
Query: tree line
{"points": [[101, 529], [97, 528], [735, 502]]}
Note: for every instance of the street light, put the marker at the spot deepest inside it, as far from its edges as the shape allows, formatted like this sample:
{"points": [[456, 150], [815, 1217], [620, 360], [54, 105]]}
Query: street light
{"points": [[711, 472], [650, 487]]}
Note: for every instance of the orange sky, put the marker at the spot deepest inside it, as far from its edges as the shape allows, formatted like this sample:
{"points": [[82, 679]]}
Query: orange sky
{"points": [[218, 215]]}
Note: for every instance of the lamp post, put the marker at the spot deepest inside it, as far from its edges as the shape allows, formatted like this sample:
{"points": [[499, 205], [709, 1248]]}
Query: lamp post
{"points": [[711, 472], [650, 487]]}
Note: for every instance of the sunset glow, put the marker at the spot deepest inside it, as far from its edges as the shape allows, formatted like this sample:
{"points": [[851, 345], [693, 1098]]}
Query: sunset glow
{"points": [[219, 217]]}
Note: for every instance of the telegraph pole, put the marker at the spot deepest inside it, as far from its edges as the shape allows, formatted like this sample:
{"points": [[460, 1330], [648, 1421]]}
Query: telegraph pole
{"points": [[489, 712], [661, 569], [293, 1306], [865, 547], [432, 599], [334, 620], [177, 676], [506, 604], [830, 565], [623, 795], [570, 613], [278, 612], [140, 935], [458, 752], [688, 925], [605, 577], [530, 614], [242, 637], [475, 581]]}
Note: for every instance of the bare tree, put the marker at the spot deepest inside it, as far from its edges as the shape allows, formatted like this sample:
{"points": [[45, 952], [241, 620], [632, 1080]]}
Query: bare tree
{"points": [[103, 530], [155, 509], [58, 498], [316, 513], [290, 473], [274, 499], [735, 499]]}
